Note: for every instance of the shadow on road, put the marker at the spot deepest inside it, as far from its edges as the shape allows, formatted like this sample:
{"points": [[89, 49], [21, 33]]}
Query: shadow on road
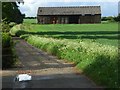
{"points": [[50, 81]]}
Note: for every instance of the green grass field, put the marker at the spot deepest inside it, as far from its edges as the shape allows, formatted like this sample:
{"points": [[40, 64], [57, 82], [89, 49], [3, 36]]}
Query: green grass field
{"points": [[105, 33], [30, 21], [92, 47]]}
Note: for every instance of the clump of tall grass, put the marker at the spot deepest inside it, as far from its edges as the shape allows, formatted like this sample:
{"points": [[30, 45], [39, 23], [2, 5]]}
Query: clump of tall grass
{"points": [[96, 60]]}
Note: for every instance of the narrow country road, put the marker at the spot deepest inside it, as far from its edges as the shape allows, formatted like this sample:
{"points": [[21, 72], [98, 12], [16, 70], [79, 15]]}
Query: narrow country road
{"points": [[46, 70]]}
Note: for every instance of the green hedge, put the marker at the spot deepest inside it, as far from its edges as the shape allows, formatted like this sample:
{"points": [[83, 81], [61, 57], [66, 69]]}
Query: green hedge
{"points": [[96, 60], [18, 30], [8, 58], [6, 40]]}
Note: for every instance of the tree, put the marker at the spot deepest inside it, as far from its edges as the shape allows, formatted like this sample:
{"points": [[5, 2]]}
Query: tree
{"points": [[104, 18], [109, 18], [11, 13], [117, 19]]}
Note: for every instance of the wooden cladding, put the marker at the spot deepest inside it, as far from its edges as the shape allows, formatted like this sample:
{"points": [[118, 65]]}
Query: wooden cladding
{"points": [[69, 19]]}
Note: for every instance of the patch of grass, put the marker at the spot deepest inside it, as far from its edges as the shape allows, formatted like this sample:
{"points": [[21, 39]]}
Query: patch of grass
{"points": [[76, 27], [98, 61], [30, 21], [100, 33]]}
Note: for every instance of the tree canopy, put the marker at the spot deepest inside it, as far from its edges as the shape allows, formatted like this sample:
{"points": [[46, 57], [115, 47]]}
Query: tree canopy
{"points": [[117, 18], [11, 12], [111, 18]]}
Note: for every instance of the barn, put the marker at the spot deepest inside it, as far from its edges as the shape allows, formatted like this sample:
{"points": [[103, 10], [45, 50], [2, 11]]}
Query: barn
{"points": [[69, 15]]}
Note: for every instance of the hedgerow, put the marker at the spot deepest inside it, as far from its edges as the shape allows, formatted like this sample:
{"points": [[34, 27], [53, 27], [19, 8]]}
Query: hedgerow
{"points": [[19, 30], [8, 57], [6, 40]]}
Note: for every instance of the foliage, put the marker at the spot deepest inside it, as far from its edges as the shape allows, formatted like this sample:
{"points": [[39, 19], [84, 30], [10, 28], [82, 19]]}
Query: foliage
{"points": [[6, 40], [11, 24], [17, 30], [117, 19], [11, 13], [104, 19], [8, 58], [111, 19], [6, 27], [30, 17], [96, 60]]}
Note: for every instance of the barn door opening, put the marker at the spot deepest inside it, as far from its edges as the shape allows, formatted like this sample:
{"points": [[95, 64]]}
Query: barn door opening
{"points": [[73, 19]]}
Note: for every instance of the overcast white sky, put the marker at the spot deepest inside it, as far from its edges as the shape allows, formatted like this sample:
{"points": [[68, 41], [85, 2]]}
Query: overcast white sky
{"points": [[108, 7]]}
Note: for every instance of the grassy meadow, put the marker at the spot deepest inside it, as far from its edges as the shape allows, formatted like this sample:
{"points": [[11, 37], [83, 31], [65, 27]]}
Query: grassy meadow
{"points": [[30, 21], [105, 33], [92, 47]]}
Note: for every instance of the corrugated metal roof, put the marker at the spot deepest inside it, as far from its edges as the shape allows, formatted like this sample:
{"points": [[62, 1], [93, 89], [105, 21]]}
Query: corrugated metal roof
{"points": [[69, 10]]}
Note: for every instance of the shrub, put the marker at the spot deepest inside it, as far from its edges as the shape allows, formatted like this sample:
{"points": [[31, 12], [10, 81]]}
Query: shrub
{"points": [[11, 24], [8, 57], [6, 40], [16, 30], [5, 27]]}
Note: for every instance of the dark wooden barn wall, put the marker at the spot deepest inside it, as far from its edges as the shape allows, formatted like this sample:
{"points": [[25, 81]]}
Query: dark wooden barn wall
{"points": [[75, 19]]}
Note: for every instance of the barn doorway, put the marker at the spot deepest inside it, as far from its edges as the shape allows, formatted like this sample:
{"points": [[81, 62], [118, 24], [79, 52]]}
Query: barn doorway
{"points": [[53, 19], [73, 19]]}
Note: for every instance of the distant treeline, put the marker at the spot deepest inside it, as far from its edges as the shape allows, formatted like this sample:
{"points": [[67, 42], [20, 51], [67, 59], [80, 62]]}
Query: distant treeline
{"points": [[30, 17], [111, 18]]}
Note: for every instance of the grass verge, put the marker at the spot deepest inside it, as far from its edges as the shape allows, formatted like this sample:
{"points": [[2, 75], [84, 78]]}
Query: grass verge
{"points": [[100, 62]]}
